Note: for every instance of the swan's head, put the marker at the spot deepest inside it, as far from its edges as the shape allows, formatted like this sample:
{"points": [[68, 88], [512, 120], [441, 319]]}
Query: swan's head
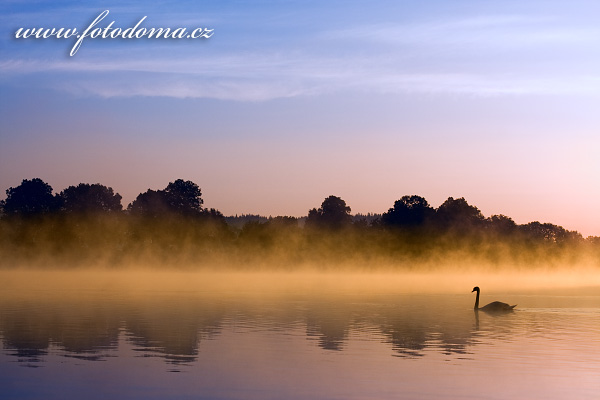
{"points": [[475, 289]]}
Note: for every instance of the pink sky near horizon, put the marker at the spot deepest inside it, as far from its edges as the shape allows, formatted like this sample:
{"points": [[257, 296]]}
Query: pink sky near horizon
{"points": [[288, 177]]}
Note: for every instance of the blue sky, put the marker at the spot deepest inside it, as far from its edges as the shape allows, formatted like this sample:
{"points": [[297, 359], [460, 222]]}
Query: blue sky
{"points": [[291, 101]]}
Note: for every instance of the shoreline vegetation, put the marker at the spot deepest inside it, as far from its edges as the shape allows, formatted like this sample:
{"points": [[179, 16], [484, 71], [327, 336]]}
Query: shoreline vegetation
{"points": [[87, 226]]}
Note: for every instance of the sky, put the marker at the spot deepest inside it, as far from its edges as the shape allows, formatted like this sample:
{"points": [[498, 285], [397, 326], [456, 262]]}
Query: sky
{"points": [[290, 101]]}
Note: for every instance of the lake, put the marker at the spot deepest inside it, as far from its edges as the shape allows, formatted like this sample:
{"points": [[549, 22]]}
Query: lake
{"points": [[255, 336]]}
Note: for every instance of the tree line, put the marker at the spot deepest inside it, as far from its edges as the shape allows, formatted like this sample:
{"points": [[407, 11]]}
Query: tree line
{"points": [[88, 224]]}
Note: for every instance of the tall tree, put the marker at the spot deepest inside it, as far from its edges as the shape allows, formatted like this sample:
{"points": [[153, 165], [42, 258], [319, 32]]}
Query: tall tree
{"points": [[32, 197], [459, 215], [86, 199], [333, 213], [409, 211], [180, 197], [184, 197], [152, 203]]}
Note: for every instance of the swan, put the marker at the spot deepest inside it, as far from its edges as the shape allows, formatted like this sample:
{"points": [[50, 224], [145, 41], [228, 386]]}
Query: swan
{"points": [[495, 306]]}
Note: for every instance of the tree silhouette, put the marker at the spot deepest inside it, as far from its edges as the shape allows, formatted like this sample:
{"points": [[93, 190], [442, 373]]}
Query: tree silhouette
{"points": [[151, 204], [501, 225], [184, 197], [409, 211], [333, 214], [86, 199], [549, 233], [181, 198], [31, 198], [458, 215]]}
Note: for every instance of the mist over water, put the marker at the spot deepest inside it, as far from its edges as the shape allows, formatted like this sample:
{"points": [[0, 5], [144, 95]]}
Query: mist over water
{"points": [[140, 333], [446, 280]]}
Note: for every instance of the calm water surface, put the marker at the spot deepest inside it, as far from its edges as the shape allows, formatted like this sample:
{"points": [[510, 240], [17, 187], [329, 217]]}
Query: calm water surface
{"points": [[200, 344]]}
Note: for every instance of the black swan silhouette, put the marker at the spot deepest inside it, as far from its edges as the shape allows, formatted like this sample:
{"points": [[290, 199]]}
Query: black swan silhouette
{"points": [[494, 307]]}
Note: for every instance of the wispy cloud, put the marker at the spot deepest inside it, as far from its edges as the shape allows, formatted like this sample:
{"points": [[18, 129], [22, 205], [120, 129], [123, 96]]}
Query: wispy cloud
{"points": [[489, 30], [449, 56], [260, 78]]}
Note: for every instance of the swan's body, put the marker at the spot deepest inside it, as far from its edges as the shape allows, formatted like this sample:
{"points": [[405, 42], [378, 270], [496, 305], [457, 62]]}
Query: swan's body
{"points": [[496, 306]]}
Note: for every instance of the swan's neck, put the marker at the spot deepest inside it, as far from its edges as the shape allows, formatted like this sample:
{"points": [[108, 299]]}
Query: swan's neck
{"points": [[477, 301]]}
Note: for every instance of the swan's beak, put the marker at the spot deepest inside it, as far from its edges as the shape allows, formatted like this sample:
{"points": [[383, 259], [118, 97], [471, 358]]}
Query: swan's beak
{"points": [[472, 290]]}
